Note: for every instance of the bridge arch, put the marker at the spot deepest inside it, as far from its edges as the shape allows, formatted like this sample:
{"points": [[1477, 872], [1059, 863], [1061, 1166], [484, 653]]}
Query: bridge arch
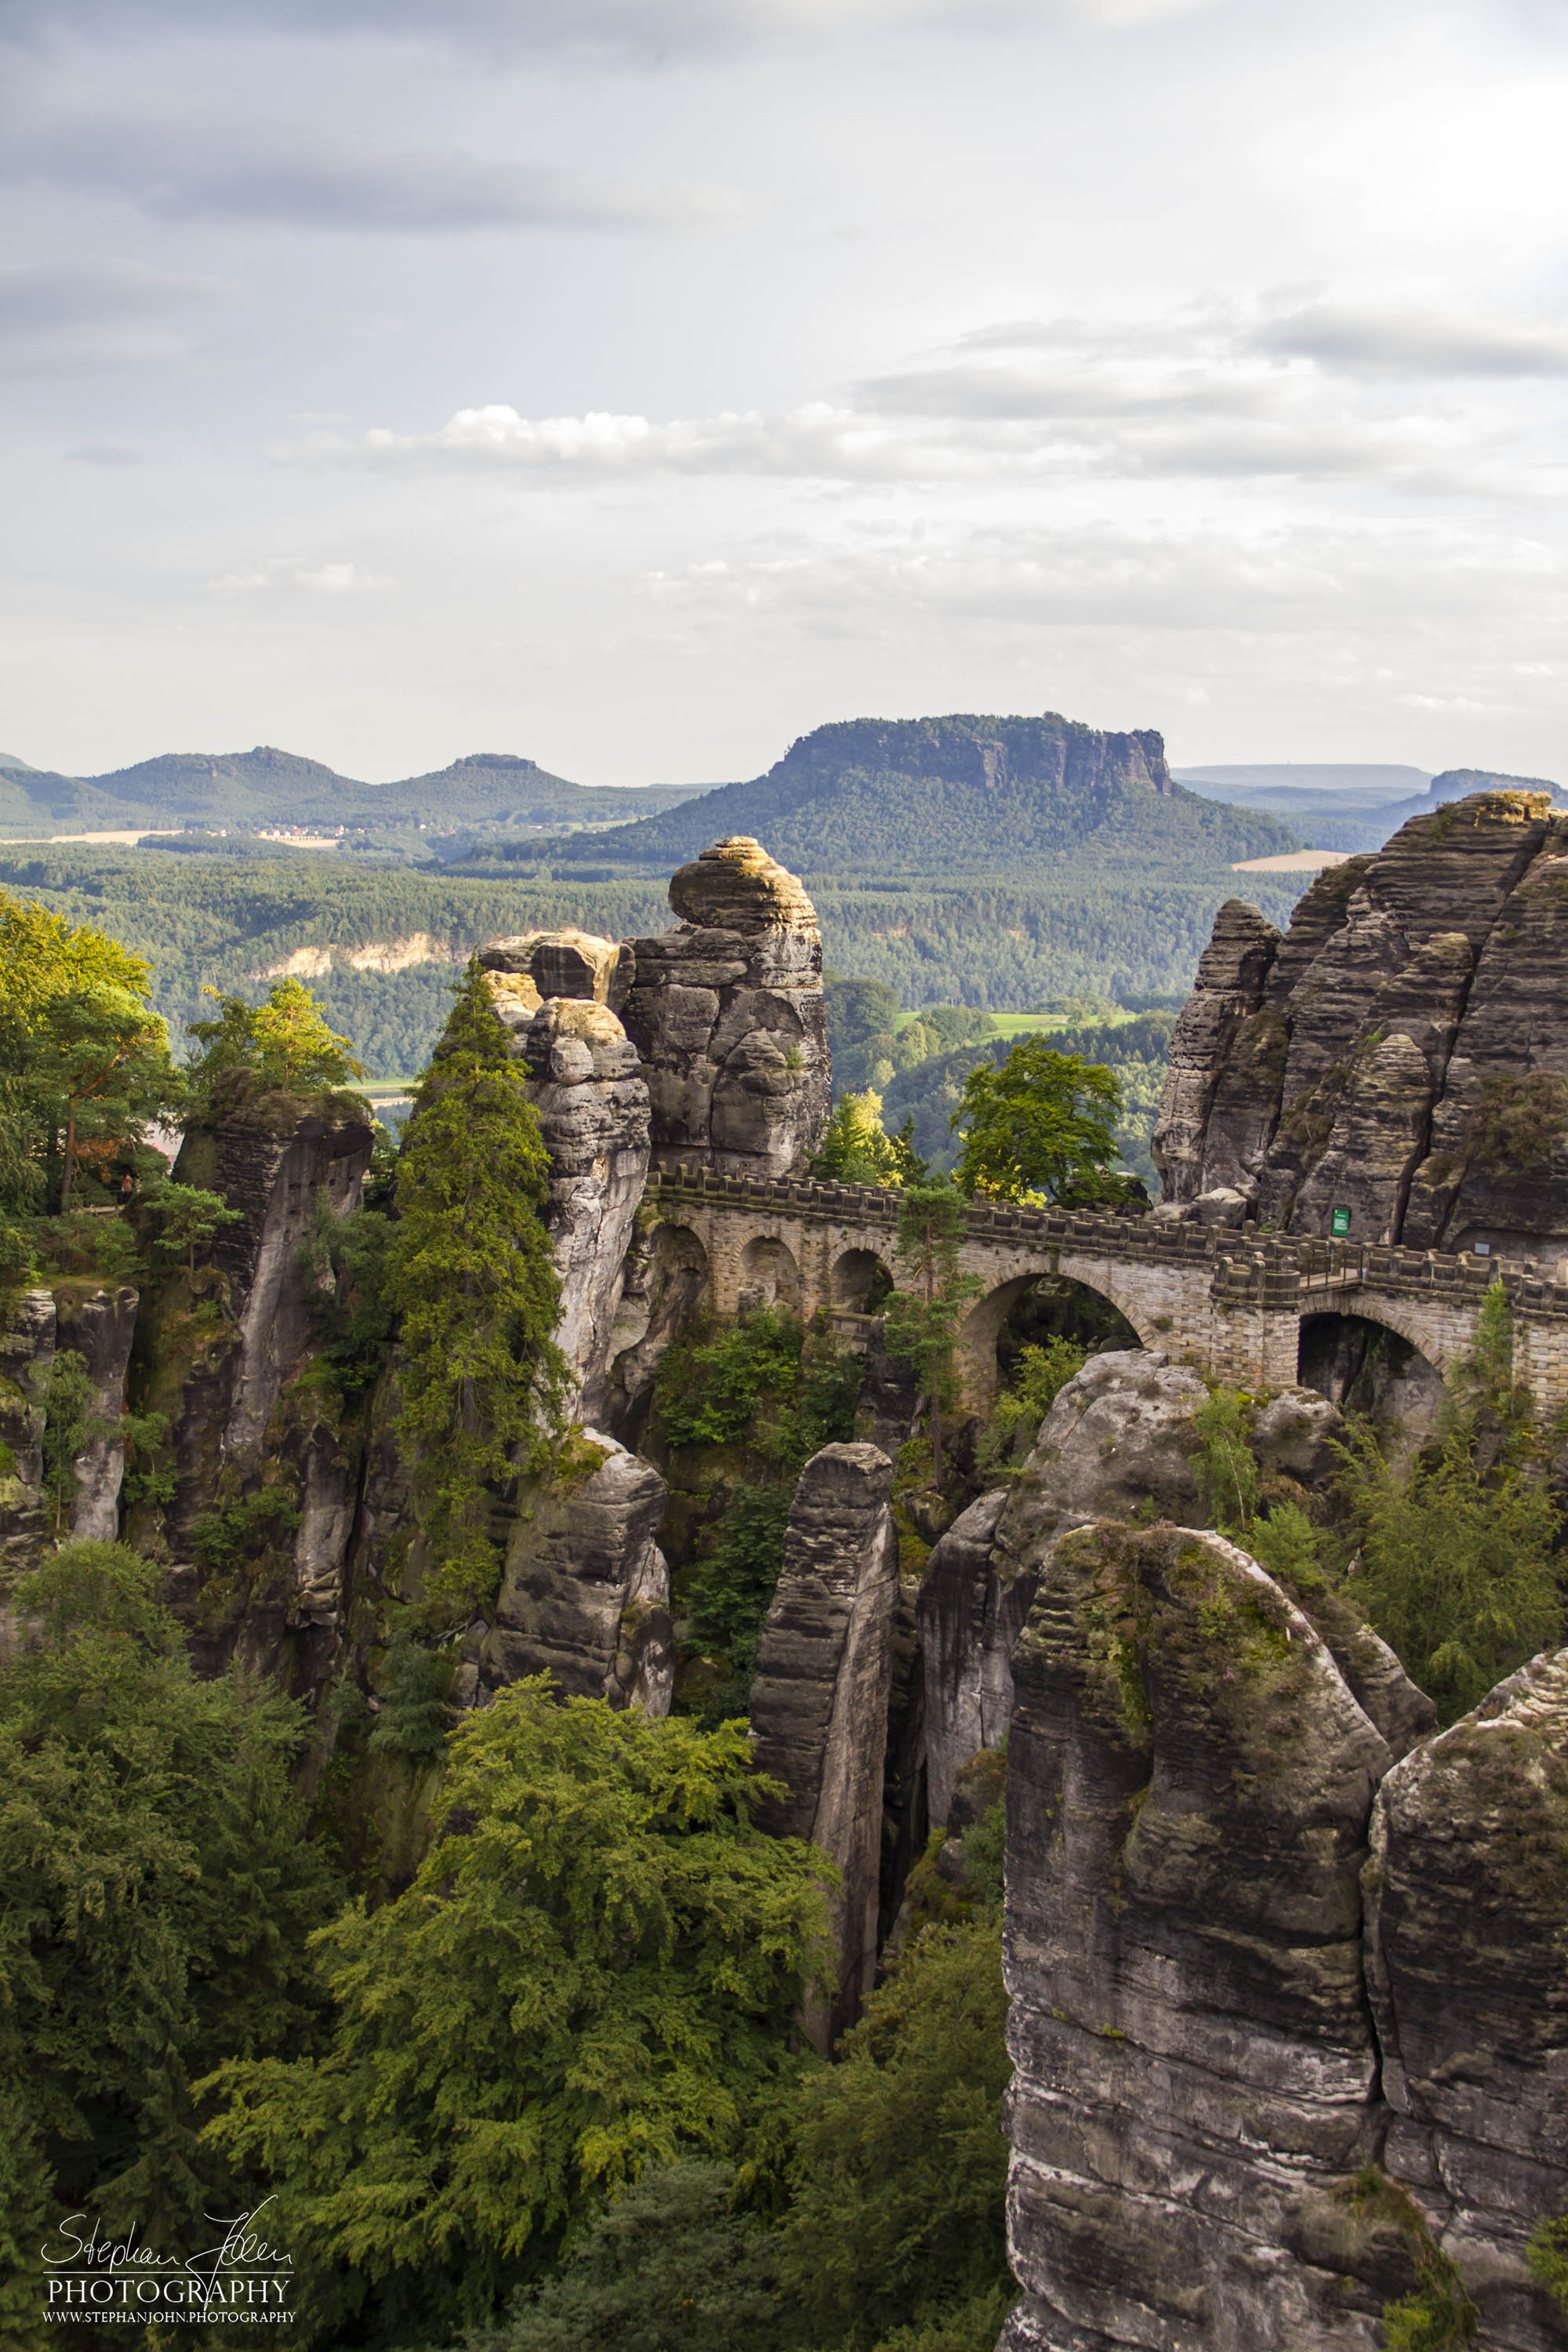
{"points": [[769, 1275], [1364, 1361], [979, 1376], [860, 1279]]}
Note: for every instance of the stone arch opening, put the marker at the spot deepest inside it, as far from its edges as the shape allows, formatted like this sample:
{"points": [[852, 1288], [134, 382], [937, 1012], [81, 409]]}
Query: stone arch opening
{"points": [[769, 1276], [860, 1281], [1026, 1311], [1357, 1361]]}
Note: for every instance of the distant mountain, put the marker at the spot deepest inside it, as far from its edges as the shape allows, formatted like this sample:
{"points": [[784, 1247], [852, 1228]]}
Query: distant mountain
{"points": [[938, 797], [1351, 815], [1289, 785], [240, 789]]}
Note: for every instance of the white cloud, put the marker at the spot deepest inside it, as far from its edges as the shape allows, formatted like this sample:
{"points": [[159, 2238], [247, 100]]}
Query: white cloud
{"points": [[1277, 389], [288, 575]]}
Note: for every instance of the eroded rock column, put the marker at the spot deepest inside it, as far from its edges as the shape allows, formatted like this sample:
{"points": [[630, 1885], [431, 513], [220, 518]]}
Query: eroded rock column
{"points": [[1189, 1785], [1467, 1963], [819, 1702]]}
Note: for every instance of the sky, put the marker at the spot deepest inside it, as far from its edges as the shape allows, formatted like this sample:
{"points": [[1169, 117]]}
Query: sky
{"points": [[636, 385]]}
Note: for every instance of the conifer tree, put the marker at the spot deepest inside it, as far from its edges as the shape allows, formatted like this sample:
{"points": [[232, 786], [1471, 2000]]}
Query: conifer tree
{"points": [[469, 1269]]}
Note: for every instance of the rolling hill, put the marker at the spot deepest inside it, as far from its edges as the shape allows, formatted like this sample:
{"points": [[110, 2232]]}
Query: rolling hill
{"points": [[244, 790]]}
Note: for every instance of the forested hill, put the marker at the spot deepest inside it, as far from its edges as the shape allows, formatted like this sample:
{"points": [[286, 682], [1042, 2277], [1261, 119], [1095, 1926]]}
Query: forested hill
{"points": [[932, 797], [380, 944], [268, 787]]}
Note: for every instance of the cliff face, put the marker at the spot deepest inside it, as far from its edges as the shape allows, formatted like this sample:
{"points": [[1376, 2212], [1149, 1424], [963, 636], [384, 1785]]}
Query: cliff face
{"points": [[585, 1593], [1189, 1786], [1467, 1934], [1285, 2009], [1399, 1054]]}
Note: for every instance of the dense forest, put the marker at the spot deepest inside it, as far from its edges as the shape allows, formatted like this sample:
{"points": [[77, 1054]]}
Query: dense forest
{"points": [[229, 923]]}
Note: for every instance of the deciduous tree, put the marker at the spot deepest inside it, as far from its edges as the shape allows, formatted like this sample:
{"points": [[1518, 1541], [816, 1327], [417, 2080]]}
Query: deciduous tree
{"points": [[1039, 1127]]}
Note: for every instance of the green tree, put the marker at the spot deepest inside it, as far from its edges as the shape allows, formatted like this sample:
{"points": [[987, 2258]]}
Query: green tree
{"points": [[67, 1427], [900, 2171], [854, 1146], [671, 2266], [1227, 1467], [1455, 1569], [593, 1970], [84, 1060], [186, 1218], [158, 1888], [1548, 2255], [283, 1043], [1040, 1127], [469, 1270], [1039, 1378], [922, 1323]]}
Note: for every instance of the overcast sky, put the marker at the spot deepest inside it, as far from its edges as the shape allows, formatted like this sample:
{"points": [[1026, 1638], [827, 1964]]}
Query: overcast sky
{"points": [[637, 384]]}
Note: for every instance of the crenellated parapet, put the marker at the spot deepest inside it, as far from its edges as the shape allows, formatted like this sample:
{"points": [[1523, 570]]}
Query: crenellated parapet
{"points": [[1232, 1301]]}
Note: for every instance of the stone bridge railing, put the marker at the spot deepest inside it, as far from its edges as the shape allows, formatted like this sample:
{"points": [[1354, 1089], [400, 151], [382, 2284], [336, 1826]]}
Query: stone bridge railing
{"points": [[1233, 1301]]}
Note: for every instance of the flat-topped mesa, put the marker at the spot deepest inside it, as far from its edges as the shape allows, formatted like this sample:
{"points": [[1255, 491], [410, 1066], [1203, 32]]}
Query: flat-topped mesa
{"points": [[1395, 1068], [727, 1014]]}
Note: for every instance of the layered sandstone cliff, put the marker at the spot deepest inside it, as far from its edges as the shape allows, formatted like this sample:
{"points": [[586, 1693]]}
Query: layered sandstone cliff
{"points": [[1399, 1055], [1285, 2012]]}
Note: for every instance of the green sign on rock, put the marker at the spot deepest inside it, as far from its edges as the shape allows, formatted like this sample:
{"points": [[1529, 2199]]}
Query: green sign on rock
{"points": [[1340, 1224]]}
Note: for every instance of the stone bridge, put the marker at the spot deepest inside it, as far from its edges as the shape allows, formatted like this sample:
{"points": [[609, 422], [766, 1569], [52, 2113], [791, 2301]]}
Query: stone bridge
{"points": [[1231, 1302]]}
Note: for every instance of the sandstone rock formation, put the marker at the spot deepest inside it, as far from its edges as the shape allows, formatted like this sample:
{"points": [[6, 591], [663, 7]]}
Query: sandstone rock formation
{"points": [[1118, 1438], [529, 968], [223, 1351], [594, 1114], [1400, 1053], [726, 1012], [586, 1592], [819, 1703], [98, 1326], [970, 1612], [1189, 1786], [1466, 1943], [274, 1168]]}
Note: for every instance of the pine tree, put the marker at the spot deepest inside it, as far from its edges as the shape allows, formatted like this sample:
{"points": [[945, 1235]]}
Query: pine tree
{"points": [[471, 1271]]}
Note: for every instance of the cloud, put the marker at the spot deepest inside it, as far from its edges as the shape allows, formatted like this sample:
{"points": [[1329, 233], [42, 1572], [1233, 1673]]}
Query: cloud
{"points": [[59, 316], [647, 30], [109, 453], [1295, 579], [178, 171], [1410, 344], [289, 575], [1271, 389]]}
